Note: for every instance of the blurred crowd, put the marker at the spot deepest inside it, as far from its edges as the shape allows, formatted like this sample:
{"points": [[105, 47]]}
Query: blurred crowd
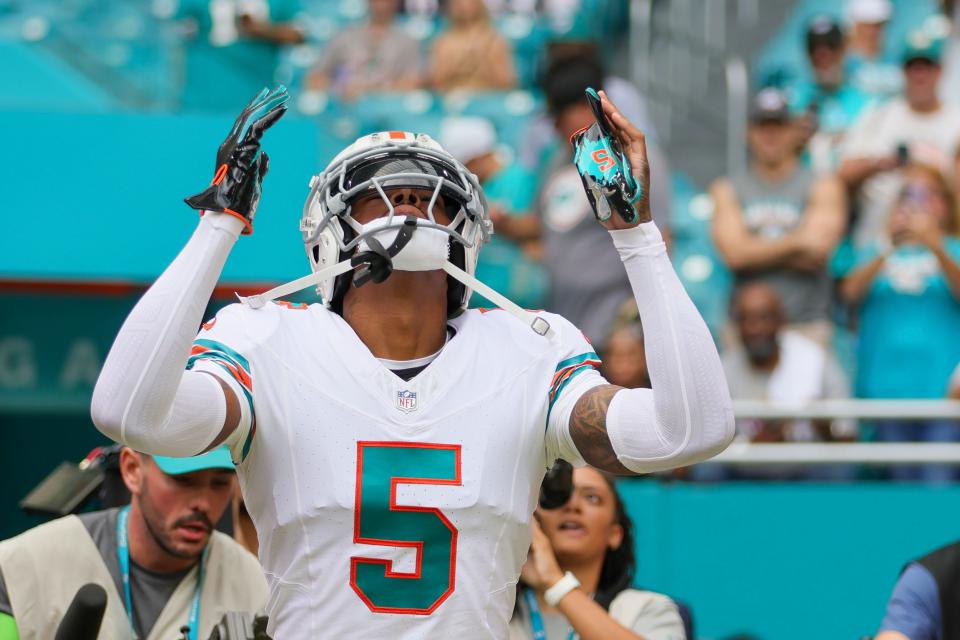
{"points": [[840, 236]]}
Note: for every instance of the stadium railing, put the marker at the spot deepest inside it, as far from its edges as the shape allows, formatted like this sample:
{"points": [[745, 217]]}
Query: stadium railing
{"points": [[884, 453]]}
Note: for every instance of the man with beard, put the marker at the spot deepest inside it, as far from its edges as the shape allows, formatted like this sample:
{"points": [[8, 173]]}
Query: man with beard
{"points": [[780, 365], [159, 559]]}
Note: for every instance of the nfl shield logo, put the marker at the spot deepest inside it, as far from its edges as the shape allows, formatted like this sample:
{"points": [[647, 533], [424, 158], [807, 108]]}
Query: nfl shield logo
{"points": [[407, 401]]}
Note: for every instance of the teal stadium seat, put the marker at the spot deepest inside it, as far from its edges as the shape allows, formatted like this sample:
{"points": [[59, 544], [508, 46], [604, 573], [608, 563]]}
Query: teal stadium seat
{"points": [[699, 266]]}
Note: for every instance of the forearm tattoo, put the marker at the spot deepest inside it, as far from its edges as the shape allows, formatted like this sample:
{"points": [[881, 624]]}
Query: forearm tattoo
{"points": [[588, 428]]}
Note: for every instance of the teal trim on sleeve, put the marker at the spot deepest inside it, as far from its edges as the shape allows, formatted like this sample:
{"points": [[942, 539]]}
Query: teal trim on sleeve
{"points": [[591, 355]]}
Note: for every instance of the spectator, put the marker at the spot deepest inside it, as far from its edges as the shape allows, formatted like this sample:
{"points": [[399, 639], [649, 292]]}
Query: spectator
{"points": [[471, 55], [584, 286], [510, 190], [540, 141], [828, 102], [159, 559], [590, 537], [773, 363], [625, 358], [231, 48], [373, 56], [923, 605], [954, 390], [908, 288], [916, 126], [777, 223], [870, 70]]}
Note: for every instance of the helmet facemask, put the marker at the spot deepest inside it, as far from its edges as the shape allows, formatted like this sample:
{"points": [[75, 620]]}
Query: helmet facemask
{"points": [[377, 164]]}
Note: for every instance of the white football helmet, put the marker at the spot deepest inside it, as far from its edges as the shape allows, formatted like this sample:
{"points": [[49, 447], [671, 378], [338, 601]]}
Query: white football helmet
{"points": [[376, 163]]}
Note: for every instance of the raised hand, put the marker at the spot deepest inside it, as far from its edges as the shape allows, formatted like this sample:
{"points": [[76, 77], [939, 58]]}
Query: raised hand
{"points": [[634, 146], [241, 165]]}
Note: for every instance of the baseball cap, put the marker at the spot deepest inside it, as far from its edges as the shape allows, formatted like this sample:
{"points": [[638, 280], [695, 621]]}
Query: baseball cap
{"points": [[467, 137], [824, 30], [219, 458], [870, 11], [920, 45], [769, 105]]}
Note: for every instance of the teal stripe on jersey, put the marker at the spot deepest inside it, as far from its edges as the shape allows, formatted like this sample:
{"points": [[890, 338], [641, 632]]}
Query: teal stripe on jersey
{"points": [[590, 355], [219, 346]]}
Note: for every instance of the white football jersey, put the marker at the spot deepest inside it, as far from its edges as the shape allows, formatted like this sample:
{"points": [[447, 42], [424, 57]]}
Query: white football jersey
{"points": [[388, 508]]}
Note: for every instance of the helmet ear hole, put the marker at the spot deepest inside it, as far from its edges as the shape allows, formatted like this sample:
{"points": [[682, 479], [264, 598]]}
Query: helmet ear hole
{"points": [[316, 253]]}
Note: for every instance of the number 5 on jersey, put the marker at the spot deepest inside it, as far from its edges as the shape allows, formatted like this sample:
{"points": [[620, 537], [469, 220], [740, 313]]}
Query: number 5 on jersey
{"points": [[379, 520]]}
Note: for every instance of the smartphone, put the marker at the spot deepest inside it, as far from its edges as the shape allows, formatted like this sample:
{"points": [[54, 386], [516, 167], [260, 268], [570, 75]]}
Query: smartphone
{"points": [[903, 154]]}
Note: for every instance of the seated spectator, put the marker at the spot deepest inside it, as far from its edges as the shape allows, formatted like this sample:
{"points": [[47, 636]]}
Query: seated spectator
{"points": [[590, 539], [625, 358], [915, 126], [373, 56], [471, 55], [827, 103], [908, 289], [159, 559], [869, 68], [585, 286], [510, 190], [923, 605], [778, 223], [773, 363]]}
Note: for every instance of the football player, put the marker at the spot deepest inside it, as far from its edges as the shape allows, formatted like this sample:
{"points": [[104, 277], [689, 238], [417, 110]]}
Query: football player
{"points": [[390, 443]]}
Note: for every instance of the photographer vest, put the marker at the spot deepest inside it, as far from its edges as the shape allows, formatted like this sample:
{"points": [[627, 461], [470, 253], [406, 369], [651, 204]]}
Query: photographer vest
{"points": [[944, 565], [45, 567]]}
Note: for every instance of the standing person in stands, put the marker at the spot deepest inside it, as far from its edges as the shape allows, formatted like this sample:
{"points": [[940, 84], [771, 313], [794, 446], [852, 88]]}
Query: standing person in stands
{"points": [[778, 223], [870, 69], [915, 126], [373, 56], [159, 559], [471, 55], [908, 288], [578, 259], [590, 537], [828, 103]]}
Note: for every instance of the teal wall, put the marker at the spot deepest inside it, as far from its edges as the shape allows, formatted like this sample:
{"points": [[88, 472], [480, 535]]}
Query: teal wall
{"points": [[100, 196], [785, 561]]}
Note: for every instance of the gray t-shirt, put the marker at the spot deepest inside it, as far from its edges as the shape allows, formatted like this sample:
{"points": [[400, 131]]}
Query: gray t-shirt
{"points": [[772, 210], [358, 55], [149, 591]]}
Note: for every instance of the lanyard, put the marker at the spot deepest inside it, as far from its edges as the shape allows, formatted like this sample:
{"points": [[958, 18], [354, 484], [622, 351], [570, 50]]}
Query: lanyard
{"points": [[536, 619], [123, 555]]}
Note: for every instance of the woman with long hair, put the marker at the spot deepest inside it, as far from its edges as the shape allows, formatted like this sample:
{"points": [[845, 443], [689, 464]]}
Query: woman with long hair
{"points": [[588, 540], [908, 290]]}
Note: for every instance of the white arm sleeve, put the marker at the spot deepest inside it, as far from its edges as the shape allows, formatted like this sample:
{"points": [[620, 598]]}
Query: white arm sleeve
{"points": [[143, 397], [687, 417]]}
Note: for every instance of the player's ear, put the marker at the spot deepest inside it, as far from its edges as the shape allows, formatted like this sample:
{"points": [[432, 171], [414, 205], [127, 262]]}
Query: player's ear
{"points": [[132, 469]]}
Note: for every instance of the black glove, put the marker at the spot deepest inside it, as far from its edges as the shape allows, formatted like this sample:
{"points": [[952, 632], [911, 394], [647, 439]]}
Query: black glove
{"points": [[240, 163]]}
